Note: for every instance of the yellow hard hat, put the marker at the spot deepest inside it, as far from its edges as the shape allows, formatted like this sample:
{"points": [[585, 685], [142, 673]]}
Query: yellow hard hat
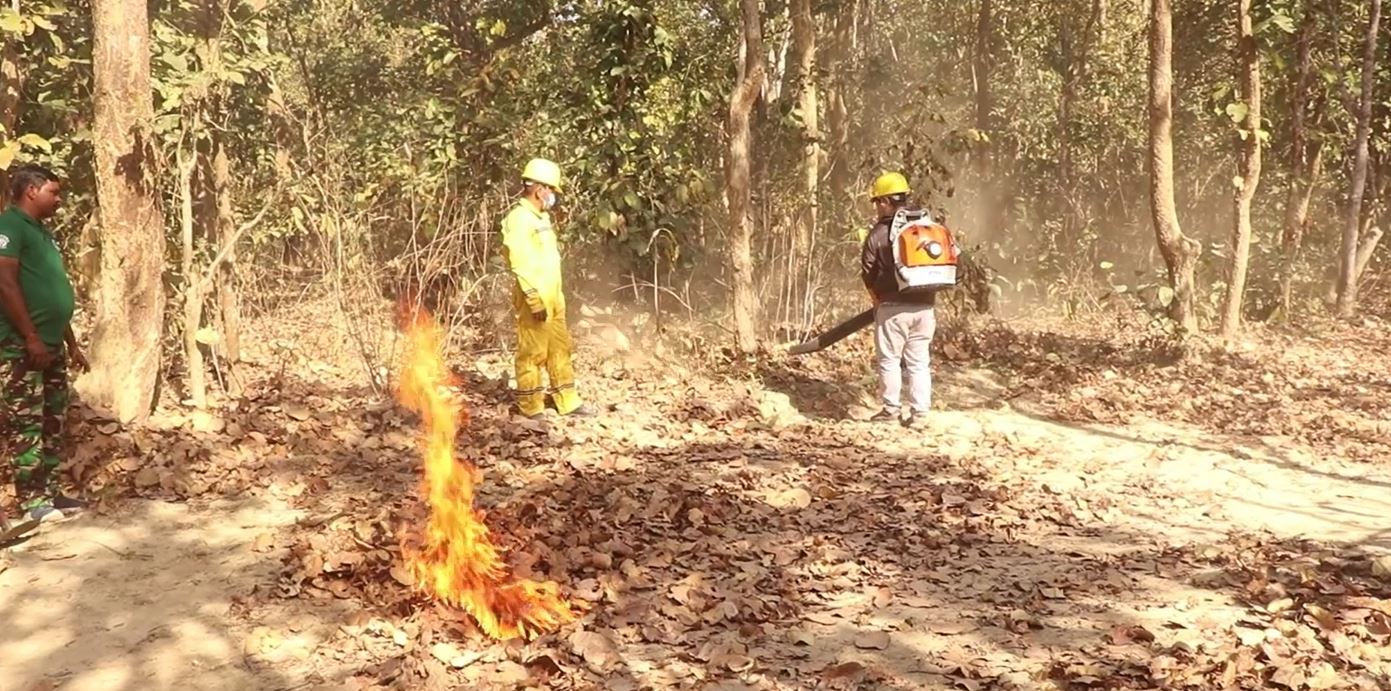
{"points": [[889, 184], [542, 171]]}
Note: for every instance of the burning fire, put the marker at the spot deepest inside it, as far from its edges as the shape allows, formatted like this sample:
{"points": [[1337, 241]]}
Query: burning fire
{"points": [[453, 559]]}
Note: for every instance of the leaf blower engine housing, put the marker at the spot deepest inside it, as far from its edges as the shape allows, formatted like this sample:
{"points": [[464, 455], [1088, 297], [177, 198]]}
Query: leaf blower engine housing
{"points": [[925, 252]]}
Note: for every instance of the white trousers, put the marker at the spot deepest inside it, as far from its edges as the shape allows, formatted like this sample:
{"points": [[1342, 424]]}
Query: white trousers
{"points": [[903, 341]]}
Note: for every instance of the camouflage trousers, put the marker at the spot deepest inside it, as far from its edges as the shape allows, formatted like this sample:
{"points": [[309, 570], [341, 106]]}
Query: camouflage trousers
{"points": [[33, 405]]}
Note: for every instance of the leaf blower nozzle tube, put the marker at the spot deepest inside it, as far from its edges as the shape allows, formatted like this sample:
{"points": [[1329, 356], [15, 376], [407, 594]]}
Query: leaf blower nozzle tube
{"points": [[835, 334]]}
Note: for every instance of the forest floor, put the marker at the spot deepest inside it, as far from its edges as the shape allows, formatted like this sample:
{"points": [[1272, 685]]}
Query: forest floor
{"points": [[1091, 508]]}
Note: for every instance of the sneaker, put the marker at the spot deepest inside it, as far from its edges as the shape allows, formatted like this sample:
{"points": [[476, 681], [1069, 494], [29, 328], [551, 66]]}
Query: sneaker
{"points": [[885, 415], [44, 513], [585, 410], [914, 420]]}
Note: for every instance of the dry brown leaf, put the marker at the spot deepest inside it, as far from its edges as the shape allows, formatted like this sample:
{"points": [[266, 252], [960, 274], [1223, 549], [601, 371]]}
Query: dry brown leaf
{"points": [[1127, 635], [596, 649], [509, 672], [882, 597], [1289, 676], [1380, 625], [1322, 676], [872, 640], [844, 670], [445, 651], [738, 663], [794, 498], [1250, 637], [1325, 619]]}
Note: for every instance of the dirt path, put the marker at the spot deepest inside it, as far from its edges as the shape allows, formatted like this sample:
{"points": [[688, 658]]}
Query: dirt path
{"points": [[159, 595], [142, 597], [1195, 486]]}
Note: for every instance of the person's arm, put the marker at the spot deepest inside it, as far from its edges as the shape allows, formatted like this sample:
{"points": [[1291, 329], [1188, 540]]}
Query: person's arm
{"points": [[12, 299], [516, 241], [13, 304], [870, 267]]}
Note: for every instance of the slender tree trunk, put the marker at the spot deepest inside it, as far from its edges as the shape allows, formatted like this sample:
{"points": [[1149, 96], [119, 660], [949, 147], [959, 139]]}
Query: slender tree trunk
{"points": [[1076, 57], [992, 196], [193, 288], [1248, 151], [228, 295], [837, 109], [1370, 239], [804, 27], [737, 176], [982, 63], [1306, 162], [1180, 252], [220, 189], [129, 305], [1347, 270], [11, 88], [1066, 242]]}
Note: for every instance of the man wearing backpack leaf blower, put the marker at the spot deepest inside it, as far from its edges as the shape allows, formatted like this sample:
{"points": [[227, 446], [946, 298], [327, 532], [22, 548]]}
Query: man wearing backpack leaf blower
{"points": [[905, 260]]}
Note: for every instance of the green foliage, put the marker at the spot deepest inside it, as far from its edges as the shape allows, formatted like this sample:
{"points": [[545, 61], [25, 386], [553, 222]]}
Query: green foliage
{"points": [[389, 123]]}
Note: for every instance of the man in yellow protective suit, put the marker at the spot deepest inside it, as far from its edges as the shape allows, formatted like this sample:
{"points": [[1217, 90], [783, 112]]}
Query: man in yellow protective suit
{"points": [[531, 251]]}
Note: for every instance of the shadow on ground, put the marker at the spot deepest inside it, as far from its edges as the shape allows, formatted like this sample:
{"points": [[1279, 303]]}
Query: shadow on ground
{"points": [[139, 597]]}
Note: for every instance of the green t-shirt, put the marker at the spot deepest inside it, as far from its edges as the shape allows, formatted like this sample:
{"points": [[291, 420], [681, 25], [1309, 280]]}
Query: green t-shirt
{"points": [[47, 291]]}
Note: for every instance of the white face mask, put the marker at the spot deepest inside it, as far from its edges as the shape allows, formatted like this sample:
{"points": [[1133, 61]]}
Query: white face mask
{"points": [[548, 201]]}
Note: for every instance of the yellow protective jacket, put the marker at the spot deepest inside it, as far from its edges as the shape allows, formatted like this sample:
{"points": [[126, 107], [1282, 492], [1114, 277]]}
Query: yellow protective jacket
{"points": [[530, 249]]}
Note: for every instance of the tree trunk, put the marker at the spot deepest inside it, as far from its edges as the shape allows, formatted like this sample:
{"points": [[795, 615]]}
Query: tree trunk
{"points": [[1248, 151], [129, 301], [737, 176], [228, 297], [193, 285], [994, 207], [1306, 163], [1066, 242], [11, 89], [1370, 240], [1076, 57], [1347, 270], [837, 110], [1180, 252], [981, 64], [804, 28], [220, 189]]}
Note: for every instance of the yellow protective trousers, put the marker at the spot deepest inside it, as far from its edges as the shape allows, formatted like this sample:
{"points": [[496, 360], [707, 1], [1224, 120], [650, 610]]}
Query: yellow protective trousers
{"points": [[544, 345]]}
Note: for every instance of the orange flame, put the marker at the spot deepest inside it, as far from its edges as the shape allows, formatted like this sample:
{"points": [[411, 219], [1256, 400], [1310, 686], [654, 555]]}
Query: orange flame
{"points": [[453, 559]]}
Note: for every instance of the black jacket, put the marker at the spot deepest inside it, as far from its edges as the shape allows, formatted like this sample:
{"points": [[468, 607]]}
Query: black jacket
{"points": [[877, 268]]}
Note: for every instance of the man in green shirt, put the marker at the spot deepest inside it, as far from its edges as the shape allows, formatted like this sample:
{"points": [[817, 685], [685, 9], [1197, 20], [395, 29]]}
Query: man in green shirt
{"points": [[36, 343]]}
